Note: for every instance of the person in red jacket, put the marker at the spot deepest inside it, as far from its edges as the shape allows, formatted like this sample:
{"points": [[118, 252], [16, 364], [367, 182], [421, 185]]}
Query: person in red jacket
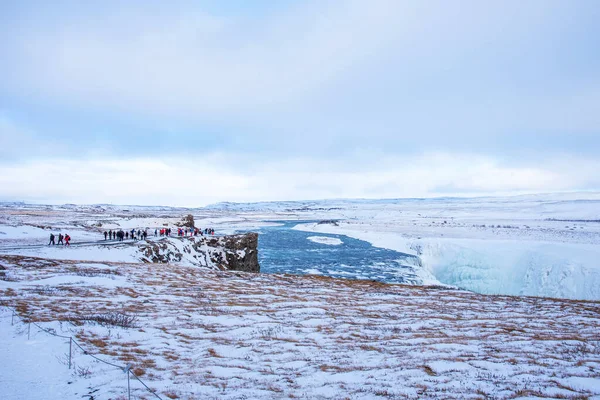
{"points": [[67, 239]]}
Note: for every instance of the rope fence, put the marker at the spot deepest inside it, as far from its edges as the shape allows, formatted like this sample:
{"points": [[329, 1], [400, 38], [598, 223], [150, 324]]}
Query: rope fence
{"points": [[127, 369]]}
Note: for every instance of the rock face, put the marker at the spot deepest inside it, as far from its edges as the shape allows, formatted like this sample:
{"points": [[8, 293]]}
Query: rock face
{"points": [[328, 222], [160, 252], [187, 221], [235, 252], [241, 251]]}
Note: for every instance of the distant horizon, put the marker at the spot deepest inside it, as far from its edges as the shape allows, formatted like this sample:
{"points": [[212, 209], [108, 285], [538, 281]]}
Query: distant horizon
{"points": [[448, 197]]}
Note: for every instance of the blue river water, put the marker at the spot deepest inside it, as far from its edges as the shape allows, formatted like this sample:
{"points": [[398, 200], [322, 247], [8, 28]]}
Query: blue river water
{"points": [[282, 249]]}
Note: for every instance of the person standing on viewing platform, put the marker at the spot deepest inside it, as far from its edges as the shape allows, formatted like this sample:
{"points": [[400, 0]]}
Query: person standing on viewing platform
{"points": [[105, 235]]}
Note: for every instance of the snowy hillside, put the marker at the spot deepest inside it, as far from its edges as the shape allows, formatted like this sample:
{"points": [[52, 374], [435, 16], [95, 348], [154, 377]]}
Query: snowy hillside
{"points": [[191, 332], [196, 333]]}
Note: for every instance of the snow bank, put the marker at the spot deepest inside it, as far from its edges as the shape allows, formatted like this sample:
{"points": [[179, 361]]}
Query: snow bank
{"points": [[515, 268], [533, 268]]}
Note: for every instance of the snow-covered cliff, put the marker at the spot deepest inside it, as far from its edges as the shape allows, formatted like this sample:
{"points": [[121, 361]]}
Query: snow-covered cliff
{"points": [[233, 252]]}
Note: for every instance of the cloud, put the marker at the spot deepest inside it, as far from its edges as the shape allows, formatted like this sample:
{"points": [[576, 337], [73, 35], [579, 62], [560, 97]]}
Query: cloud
{"points": [[184, 62], [329, 98], [18, 141], [208, 179]]}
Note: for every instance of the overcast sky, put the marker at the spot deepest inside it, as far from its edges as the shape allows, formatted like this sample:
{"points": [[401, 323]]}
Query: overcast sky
{"points": [[194, 102]]}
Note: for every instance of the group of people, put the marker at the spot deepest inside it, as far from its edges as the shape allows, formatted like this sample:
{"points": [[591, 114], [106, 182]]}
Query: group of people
{"points": [[139, 234], [120, 235], [66, 239], [165, 232], [194, 231]]}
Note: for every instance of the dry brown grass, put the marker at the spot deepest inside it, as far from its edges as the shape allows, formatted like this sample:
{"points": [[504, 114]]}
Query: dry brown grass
{"points": [[275, 389], [10, 292], [98, 342], [170, 356], [428, 370], [417, 321], [337, 368], [22, 308], [369, 348], [213, 353], [128, 292]]}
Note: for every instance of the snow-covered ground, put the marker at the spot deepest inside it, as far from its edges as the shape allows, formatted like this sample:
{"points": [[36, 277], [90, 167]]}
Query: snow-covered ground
{"points": [[200, 333], [35, 365], [542, 245]]}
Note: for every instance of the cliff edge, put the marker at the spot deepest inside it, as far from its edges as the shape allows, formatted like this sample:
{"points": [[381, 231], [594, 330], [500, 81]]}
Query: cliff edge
{"points": [[233, 252]]}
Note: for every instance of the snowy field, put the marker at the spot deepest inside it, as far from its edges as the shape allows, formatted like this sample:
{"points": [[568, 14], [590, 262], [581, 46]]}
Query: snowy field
{"points": [[199, 333]]}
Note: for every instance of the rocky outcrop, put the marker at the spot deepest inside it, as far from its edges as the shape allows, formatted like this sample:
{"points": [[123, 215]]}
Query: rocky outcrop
{"points": [[187, 221], [241, 251], [235, 252], [160, 252], [328, 222]]}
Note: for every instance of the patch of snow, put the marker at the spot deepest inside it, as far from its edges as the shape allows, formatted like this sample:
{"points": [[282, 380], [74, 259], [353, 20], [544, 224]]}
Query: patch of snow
{"points": [[313, 271], [325, 240]]}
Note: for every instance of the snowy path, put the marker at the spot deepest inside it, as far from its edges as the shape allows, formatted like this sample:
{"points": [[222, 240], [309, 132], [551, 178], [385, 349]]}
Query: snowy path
{"points": [[76, 244], [96, 243]]}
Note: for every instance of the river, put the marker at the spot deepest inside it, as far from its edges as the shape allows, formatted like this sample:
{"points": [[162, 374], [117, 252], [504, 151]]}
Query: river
{"points": [[285, 250]]}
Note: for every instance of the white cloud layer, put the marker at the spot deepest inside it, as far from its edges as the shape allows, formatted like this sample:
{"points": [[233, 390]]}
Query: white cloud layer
{"points": [[382, 98], [210, 179], [184, 62]]}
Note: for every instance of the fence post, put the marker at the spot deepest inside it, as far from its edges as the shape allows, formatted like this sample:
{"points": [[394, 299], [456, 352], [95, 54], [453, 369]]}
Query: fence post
{"points": [[70, 345], [128, 387], [127, 369], [12, 319], [28, 329]]}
